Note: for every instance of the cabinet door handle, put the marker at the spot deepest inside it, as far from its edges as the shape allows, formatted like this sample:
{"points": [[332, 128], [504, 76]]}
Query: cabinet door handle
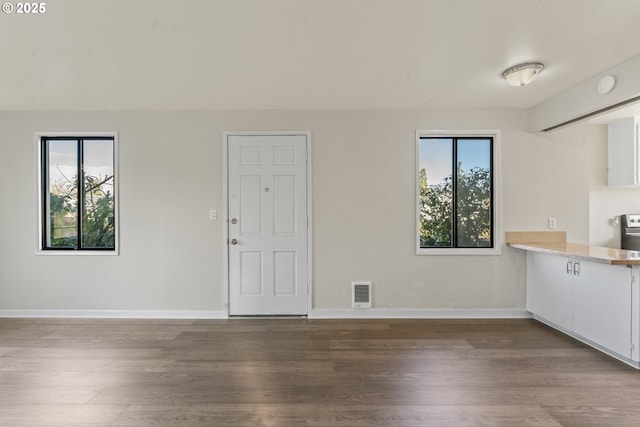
{"points": [[576, 268], [569, 269]]}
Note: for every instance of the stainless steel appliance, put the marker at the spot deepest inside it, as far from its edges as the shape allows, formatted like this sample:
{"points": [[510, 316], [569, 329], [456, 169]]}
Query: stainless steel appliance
{"points": [[630, 231]]}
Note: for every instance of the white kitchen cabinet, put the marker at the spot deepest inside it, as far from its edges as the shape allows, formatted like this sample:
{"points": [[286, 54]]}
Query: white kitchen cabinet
{"points": [[602, 306], [588, 300], [550, 288], [623, 153]]}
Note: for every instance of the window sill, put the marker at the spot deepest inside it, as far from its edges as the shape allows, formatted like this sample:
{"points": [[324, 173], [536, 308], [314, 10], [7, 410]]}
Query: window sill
{"points": [[461, 251], [77, 253]]}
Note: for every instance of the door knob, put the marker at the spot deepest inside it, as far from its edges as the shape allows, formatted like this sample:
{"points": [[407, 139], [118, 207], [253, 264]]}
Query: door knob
{"points": [[234, 220], [234, 241]]}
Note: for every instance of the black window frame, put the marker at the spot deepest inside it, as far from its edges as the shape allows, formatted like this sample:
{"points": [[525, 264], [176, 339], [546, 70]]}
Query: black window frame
{"points": [[44, 193], [454, 178]]}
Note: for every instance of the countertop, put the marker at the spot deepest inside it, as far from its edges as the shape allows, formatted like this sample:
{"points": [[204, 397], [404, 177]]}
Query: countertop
{"points": [[585, 252]]}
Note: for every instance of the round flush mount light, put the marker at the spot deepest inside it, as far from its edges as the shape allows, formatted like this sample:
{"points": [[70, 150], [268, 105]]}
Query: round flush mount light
{"points": [[522, 74], [606, 84]]}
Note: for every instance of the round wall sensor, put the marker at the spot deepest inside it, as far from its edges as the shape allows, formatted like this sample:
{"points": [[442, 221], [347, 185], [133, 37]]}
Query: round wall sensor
{"points": [[606, 84]]}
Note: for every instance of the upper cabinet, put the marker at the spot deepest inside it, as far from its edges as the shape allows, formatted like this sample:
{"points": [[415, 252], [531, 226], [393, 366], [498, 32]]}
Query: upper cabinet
{"points": [[623, 153]]}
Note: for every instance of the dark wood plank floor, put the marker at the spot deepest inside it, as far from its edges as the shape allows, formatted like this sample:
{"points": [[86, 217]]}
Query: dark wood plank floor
{"points": [[299, 372]]}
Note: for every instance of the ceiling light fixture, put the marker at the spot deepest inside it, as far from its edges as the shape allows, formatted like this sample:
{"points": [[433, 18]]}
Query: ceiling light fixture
{"points": [[522, 74]]}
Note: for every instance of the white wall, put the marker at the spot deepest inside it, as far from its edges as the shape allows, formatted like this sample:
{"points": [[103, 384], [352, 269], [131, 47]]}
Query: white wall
{"points": [[363, 210], [605, 203], [169, 256], [549, 175], [584, 98]]}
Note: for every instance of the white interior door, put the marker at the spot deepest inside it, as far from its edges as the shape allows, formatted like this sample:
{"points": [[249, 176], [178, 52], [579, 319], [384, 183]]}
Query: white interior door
{"points": [[267, 212]]}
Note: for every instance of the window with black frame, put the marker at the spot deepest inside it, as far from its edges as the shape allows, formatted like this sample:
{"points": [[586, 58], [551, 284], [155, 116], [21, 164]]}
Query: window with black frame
{"points": [[78, 193], [455, 192]]}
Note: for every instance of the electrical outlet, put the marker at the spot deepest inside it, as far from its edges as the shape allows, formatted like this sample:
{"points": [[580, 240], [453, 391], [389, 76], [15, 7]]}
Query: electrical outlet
{"points": [[551, 223], [213, 215]]}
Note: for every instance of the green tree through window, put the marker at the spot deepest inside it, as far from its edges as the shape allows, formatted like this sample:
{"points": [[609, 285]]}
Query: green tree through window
{"points": [[455, 209], [78, 193]]}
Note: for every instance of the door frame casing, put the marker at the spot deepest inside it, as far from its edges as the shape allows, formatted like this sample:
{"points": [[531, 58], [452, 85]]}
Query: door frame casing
{"points": [[225, 210]]}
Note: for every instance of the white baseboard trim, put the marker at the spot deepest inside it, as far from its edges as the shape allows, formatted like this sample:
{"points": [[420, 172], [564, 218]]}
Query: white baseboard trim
{"points": [[115, 314], [347, 313], [426, 313]]}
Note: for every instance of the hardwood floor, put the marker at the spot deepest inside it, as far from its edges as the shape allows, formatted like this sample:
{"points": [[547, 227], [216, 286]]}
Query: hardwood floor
{"points": [[299, 372]]}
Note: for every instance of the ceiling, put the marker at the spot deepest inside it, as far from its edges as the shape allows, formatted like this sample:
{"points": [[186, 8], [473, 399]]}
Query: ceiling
{"points": [[305, 54]]}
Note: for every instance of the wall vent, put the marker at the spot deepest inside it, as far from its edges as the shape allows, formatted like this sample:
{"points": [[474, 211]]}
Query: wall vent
{"points": [[361, 294]]}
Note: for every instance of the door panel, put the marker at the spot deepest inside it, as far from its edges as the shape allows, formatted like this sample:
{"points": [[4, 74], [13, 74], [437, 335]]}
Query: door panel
{"points": [[267, 203], [285, 273], [250, 273], [250, 155], [250, 216], [283, 155], [284, 204]]}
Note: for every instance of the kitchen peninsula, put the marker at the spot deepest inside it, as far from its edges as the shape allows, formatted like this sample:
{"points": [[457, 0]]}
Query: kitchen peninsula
{"points": [[591, 293]]}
